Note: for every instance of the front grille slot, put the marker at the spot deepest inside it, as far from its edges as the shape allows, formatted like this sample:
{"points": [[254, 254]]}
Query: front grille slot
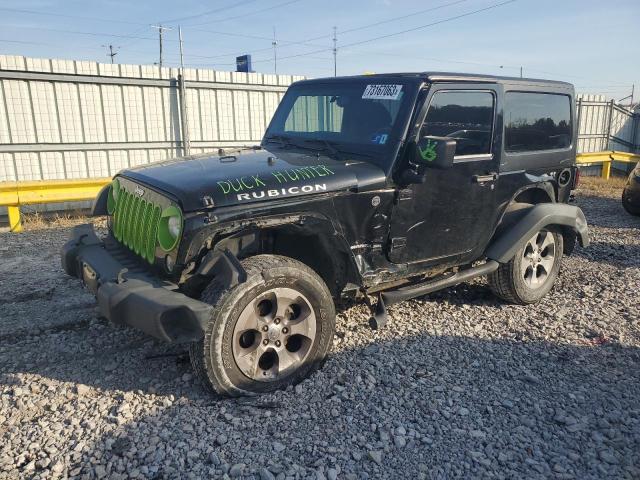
{"points": [[135, 224]]}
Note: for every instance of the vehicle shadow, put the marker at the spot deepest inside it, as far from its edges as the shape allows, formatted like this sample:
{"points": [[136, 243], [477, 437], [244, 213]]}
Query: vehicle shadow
{"points": [[620, 255]]}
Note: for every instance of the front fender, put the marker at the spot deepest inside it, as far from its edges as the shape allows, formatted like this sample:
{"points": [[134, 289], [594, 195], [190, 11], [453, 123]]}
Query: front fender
{"points": [[504, 248], [99, 206]]}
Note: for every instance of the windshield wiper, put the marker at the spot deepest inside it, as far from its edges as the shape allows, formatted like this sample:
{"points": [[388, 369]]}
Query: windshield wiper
{"points": [[281, 139], [328, 146]]}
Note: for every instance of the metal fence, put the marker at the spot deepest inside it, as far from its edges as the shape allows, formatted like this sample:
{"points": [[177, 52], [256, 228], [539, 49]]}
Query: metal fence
{"points": [[603, 125], [64, 119]]}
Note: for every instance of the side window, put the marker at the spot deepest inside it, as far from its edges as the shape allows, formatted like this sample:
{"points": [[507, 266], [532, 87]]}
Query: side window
{"points": [[466, 116], [536, 121]]}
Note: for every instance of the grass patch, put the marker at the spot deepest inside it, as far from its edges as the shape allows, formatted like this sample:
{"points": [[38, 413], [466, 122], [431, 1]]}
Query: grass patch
{"points": [[599, 186], [40, 221]]}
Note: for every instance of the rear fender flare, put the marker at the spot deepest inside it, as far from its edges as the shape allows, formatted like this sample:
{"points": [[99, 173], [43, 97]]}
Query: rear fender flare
{"points": [[568, 217]]}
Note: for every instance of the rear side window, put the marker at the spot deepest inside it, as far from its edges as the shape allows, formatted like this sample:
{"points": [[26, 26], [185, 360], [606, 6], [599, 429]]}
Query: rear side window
{"points": [[466, 116], [537, 121]]}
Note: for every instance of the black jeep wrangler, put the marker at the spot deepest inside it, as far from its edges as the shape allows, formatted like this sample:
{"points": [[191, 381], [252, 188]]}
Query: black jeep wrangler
{"points": [[390, 186]]}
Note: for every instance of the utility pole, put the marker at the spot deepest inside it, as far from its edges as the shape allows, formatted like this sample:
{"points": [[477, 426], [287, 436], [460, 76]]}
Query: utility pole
{"points": [[112, 53], [520, 72], [335, 52], [161, 30], [181, 51], [184, 117], [274, 43]]}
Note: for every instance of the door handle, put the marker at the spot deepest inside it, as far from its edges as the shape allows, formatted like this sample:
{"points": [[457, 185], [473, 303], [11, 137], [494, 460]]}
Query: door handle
{"points": [[490, 177]]}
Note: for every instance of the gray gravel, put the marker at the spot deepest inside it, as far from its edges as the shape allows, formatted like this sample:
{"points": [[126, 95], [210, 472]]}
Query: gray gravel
{"points": [[457, 384]]}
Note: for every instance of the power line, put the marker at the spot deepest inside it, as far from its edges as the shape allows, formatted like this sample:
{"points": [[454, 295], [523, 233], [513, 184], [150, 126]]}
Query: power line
{"points": [[281, 43], [77, 32], [402, 17], [253, 12], [208, 12], [432, 24], [62, 15], [231, 34], [22, 42], [421, 27], [128, 22], [305, 41], [135, 37]]}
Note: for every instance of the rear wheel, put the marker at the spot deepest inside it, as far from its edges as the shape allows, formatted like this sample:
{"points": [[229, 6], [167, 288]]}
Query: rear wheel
{"points": [[268, 332], [531, 273]]}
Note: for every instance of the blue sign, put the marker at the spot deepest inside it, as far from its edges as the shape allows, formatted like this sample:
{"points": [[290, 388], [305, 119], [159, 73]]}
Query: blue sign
{"points": [[243, 63]]}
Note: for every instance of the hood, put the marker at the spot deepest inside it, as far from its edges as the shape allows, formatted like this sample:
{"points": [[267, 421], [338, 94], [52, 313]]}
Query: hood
{"points": [[253, 176]]}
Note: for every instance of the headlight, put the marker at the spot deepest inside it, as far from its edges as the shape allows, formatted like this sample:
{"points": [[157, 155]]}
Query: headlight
{"points": [[170, 228], [175, 225]]}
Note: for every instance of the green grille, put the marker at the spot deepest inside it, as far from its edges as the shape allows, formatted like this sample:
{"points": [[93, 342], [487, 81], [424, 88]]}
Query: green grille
{"points": [[135, 224]]}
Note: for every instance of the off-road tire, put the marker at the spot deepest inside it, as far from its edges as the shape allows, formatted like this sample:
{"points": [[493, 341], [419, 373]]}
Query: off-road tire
{"points": [[631, 209], [213, 359], [508, 283]]}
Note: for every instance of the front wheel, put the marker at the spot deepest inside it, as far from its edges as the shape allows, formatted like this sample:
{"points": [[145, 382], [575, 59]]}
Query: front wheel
{"points": [[531, 273], [267, 333]]}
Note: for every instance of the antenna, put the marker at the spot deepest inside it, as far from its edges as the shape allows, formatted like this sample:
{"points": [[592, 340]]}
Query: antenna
{"points": [[112, 53], [161, 30], [274, 43], [335, 52]]}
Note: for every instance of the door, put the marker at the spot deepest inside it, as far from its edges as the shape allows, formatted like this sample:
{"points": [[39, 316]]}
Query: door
{"points": [[448, 217]]}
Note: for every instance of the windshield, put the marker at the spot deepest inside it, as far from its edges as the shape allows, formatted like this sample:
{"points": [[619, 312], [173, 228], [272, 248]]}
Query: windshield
{"points": [[355, 119]]}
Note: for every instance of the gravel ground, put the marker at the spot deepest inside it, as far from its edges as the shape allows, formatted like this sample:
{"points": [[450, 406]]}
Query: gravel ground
{"points": [[457, 384]]}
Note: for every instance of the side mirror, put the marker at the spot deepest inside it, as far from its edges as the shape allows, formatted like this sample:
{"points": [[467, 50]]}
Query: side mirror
{"points": [[434, 152]]}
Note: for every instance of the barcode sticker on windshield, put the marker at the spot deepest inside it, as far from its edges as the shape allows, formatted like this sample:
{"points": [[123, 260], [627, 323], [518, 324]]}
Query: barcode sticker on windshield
{"points": [[382, 92]]}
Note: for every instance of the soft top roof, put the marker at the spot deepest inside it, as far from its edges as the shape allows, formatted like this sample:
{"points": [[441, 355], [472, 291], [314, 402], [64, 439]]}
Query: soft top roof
{"points": [[431, 77]]}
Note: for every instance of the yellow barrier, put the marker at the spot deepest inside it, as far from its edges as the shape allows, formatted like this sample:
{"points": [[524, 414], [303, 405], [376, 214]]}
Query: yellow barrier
{"points": [[14, 194], [605, 158]]}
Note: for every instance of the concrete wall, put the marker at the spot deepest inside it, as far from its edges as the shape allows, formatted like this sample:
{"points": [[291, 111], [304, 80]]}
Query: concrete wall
{"points": [[76, 119]]}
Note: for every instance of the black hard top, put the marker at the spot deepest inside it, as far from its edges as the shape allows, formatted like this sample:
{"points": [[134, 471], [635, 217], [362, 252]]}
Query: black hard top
{"points": [[433, 77]]}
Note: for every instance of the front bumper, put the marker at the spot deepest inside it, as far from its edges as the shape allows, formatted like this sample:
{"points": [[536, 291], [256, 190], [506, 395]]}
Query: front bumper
{"points": [[128, 294]]}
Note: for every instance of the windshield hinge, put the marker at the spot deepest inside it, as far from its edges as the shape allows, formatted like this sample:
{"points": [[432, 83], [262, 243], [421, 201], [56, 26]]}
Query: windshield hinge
{"points": [[404, 195]]}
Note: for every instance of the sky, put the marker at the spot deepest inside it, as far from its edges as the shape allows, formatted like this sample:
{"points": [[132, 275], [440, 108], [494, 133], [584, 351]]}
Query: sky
{"points": [[592, 44]]}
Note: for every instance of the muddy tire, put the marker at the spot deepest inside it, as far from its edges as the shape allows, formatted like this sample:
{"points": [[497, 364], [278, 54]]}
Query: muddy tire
{"points": [[267, 333], [531, 273]]}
